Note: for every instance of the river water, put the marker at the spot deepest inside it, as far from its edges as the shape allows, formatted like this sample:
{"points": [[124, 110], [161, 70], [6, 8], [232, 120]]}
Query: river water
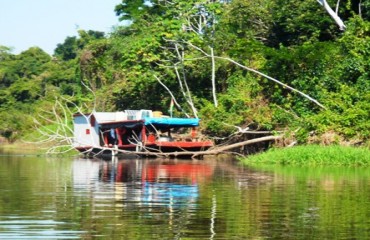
{"points": [[74, 198]]}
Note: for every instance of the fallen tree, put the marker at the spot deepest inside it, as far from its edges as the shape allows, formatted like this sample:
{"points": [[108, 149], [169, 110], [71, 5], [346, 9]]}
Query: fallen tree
{"points": [[213, 151]]}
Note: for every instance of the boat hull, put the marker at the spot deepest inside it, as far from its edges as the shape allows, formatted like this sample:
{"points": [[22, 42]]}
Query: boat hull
{"points": [[169, 148]]}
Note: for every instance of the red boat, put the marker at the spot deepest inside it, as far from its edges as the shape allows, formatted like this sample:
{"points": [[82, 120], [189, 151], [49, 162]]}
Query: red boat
{"points": [[136, 131]]}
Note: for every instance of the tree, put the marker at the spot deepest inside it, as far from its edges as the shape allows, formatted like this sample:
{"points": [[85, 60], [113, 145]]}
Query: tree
{"points": [[132, 10], [69, 49]]}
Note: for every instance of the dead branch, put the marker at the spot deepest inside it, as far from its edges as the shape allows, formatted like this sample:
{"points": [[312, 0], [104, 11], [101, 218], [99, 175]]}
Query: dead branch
{"points": [[213, 78], [60, 137], [333, 15], [187, 95], [172, 96], [259, 73], [213, 151], [337, 7]]}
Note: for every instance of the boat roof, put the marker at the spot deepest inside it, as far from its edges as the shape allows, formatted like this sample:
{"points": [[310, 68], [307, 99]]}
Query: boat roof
{"points": [[120, 119], [103, 117], [171, 122], [126, 124]]}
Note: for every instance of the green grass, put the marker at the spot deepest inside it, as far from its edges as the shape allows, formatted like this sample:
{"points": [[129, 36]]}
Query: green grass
{"points": [[21, 148], [32, 144], [313, 155]]}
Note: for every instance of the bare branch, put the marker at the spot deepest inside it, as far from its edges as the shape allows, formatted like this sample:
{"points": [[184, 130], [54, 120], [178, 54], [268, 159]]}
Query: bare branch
{"points": [[214, 151], [187, 94], [169, 91], [337, 7], [213, 78], [332, 14], [261, 74]]}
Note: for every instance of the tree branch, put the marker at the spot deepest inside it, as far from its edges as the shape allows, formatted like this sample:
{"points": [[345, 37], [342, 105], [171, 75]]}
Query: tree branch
{"points": [[169, 91], [261, 74], [332, 14], [213, 78]]}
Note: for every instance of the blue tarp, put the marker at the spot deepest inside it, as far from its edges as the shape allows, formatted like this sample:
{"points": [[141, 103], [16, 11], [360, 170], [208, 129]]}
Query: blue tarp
{"points": [[172, 122]]}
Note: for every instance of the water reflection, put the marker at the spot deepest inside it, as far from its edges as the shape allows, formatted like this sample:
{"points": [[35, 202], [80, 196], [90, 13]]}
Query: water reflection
{"points": [[165, 183], [163, 193], [19, 227], [33, 192], [179, 199]]}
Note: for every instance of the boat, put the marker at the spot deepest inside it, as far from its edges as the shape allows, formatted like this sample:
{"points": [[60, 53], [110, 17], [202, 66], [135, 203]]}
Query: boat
{"points": [[136, 131]]}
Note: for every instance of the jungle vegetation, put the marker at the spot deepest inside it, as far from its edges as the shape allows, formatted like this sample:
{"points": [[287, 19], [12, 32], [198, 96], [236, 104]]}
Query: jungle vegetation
{"points": [[171, 43]]}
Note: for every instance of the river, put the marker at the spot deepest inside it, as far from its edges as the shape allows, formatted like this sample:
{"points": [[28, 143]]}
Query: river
{"points": [[75, 198]]}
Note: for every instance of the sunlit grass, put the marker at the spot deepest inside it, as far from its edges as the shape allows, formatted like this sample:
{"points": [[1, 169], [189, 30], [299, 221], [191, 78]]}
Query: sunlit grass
{"points": [[21, 148], [313, 155], [35, 143]]}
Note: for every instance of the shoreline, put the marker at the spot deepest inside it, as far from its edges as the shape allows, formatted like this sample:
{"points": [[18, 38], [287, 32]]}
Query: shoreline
{"points": [[21, 149], [28, 149], [302, 155], [312, 155]]}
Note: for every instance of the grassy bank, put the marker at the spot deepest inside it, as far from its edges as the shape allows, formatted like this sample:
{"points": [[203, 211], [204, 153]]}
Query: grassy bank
{"points": [[22, 148], [313, 155], [33, 143]]}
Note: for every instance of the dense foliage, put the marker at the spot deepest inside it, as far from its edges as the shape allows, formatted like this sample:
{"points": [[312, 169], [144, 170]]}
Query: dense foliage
{"points": [[170, 43]]}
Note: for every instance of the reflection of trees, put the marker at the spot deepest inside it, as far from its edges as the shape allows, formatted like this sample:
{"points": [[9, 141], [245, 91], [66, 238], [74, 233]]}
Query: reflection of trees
{"points": [[234, 202], [36, 198], [30, 181], [299, 205]]}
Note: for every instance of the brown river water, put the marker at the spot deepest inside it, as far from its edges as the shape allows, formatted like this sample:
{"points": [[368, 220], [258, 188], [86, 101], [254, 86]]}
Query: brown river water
{"points": [[75, 198]]}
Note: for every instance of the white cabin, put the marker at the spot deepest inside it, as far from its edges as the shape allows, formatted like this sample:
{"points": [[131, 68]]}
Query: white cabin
{"points": [[87, 126]]}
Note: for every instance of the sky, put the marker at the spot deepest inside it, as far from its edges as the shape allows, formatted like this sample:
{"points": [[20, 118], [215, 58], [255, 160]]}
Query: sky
{"points": [[45, 23]]}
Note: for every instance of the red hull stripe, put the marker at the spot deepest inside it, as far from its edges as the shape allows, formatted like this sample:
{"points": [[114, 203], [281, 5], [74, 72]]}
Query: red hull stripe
{"points": [[184, 144]]}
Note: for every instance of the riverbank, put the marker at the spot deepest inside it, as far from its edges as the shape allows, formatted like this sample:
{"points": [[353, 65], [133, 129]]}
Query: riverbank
{"points": [[22, 148], [311, 155]]}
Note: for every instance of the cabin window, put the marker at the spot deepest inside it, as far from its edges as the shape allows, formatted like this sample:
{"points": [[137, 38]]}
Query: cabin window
{"points": [[87, 131], [92, 121]]}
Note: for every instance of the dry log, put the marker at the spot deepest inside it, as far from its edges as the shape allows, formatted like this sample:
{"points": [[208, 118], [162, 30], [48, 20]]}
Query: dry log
{"points": [[213, 151]]}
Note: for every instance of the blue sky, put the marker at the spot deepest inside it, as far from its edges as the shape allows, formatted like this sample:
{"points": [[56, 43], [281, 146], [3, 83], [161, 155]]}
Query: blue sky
{"points": [[45, 23]]}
